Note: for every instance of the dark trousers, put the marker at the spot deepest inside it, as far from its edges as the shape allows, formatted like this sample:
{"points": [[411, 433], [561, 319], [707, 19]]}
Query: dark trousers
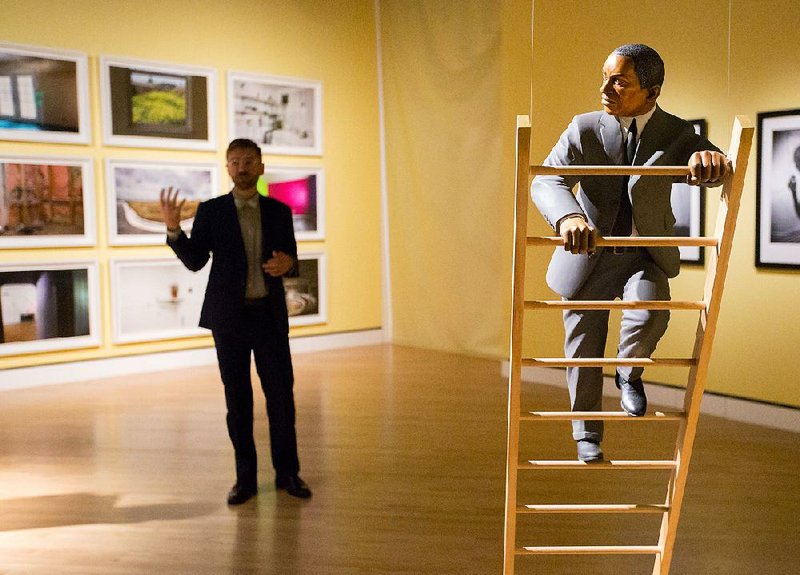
{"points": [[269, 343], [632, 275]]}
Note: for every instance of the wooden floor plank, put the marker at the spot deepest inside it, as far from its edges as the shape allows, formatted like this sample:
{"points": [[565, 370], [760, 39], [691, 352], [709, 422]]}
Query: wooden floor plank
{"points": [[404, 449]]}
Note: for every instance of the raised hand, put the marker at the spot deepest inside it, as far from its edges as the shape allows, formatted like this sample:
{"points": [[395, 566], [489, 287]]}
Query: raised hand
{"points": [[171, 208]]}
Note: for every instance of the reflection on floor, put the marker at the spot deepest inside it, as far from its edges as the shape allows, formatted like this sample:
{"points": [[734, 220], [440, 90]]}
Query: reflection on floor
{"points": [[405, 452]]}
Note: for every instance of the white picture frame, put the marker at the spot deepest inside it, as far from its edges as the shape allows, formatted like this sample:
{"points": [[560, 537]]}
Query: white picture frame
{"points": [[303, 190], [46, 303], [133, 188], [46, 201], [155, 299], [307, 295], [148, 104], [44, 95], [283, 115]]}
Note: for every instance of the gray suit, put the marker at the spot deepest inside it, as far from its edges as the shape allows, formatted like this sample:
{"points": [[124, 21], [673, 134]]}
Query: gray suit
{"points": [[595, 139]]}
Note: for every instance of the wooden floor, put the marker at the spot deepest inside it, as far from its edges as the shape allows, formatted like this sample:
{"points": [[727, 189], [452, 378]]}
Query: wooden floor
{"points": [[405, 452]]}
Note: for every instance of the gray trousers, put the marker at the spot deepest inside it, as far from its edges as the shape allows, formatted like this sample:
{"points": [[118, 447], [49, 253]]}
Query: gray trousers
{"points": [[629, 276]]}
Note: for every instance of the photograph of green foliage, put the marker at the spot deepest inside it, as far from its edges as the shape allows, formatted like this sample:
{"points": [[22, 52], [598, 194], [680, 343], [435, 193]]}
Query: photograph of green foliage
{"points": [[157, 105]]}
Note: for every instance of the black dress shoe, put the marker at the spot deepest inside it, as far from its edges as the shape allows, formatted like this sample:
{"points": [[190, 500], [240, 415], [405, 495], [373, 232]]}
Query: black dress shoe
{"points": [[293, 485], [240, 493], [633, 399]]}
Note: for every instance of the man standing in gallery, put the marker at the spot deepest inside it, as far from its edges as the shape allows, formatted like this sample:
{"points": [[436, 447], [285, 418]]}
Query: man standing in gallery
{"points": [[631, 129], [252, 242]]}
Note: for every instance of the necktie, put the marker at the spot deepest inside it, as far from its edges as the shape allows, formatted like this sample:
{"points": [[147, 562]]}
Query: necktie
{"points": [[630, 150], [623, 225]]}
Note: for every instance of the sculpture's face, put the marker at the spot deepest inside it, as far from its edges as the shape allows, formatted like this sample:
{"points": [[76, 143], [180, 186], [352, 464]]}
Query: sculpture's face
{"points": [[620, 93]]}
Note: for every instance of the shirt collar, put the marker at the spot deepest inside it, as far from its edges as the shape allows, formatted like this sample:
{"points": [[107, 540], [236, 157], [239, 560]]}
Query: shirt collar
{"points": [[641, 121], [249, 203]]}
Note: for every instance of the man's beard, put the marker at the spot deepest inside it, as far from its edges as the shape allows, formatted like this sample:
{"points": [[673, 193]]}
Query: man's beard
{"points": [[245, 181]]}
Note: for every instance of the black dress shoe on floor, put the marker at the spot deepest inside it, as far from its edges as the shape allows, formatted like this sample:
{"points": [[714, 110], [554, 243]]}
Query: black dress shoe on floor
{"points": [[240, 493], [293, 485], [589, 451], [633, 399]]}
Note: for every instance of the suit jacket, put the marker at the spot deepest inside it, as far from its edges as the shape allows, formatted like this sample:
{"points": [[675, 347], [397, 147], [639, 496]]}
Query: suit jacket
{"points": [[595, 139], [216, 232]]}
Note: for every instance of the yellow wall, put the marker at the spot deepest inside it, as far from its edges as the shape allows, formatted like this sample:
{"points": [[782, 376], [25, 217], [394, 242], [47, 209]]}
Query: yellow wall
{"points": [[705, 78], [450, 146], [456, 74], [333, 42]]}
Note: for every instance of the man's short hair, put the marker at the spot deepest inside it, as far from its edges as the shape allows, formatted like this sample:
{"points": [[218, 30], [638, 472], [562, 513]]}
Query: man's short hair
{"points": [[647, 64], [243, 144], [797, 156]]}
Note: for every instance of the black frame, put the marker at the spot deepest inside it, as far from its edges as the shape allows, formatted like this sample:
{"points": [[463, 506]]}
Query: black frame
{"points": [[701, 128], [764, 195]]}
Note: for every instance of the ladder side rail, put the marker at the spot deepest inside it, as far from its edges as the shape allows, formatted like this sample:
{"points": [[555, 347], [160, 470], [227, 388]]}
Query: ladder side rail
{"points": [[515, 348], [739, 154]]}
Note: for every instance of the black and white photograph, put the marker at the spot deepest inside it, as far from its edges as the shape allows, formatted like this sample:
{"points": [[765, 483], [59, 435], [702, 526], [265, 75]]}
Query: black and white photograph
{"points": [[46, 202], [47, 307], [689, 208], [306, 295], [303, 190], [155, 299], [157, 105], [282, 115], [44, 95], [133, 189], [777, 186]]}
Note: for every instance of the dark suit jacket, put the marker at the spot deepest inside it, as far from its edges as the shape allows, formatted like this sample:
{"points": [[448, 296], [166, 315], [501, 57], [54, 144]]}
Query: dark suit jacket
{"points": [[216, 234], [595, 139]]}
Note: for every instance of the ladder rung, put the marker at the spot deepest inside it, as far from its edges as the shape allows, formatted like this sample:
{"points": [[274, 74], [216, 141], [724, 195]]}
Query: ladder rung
{"points": [[592, 550], [607, 361], [636, 241], [600, 415], [611, 304], [614, 464], [619, 170], [595, 508]]}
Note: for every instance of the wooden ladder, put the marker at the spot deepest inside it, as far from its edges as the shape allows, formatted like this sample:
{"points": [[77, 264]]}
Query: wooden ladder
{"points": [[709, 306]]}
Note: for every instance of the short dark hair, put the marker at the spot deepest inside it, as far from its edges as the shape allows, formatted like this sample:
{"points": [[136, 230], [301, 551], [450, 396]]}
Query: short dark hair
{"points": [[243, 144], [797, 156], [647, 64]]}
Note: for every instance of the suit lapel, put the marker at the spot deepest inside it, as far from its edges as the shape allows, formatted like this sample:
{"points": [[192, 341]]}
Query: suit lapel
{"points": [[232, 220], [652, 143], [653, 140], [266, 244], [611, 136]]}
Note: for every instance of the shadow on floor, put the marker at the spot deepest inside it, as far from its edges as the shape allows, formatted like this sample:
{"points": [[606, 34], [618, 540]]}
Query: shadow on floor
{"points": [[89, 509]]}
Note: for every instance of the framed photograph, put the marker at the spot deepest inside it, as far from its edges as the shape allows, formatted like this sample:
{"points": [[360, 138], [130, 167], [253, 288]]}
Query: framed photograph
{"points": [[154, 299], [48, 307], [303, 190], [689, 208], [307, 295], [778, 190], [133, 189], [44, 95], [282, 115], [46, 202], [157, 105]]}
